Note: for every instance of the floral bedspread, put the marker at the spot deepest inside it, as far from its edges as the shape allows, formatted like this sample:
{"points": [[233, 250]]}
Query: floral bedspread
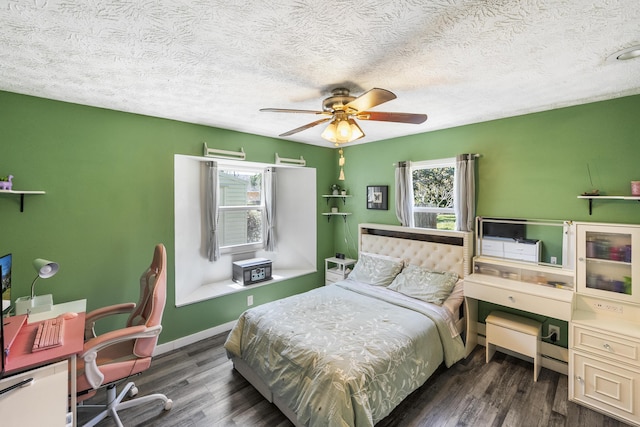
{"points": [[345, 354]]}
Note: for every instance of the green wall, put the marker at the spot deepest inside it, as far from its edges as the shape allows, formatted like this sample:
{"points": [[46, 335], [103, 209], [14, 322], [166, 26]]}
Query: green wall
{"points": [[109, 182], [531, 166], [108, 178]]}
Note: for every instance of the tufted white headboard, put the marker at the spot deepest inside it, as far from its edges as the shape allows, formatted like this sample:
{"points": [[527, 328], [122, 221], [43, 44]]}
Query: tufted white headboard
{"points": [[438, 250]]}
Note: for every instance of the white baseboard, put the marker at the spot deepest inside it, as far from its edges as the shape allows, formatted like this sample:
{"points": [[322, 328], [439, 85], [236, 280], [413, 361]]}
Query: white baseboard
{"points": [[190, 339]]}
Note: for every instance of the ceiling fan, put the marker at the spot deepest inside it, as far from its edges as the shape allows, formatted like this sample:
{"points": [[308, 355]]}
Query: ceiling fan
{"points": [[342, 109]]}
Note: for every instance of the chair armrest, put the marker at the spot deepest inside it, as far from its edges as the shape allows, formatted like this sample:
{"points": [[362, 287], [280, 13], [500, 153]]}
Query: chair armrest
{"points": [[100, 313], [94, 345]]}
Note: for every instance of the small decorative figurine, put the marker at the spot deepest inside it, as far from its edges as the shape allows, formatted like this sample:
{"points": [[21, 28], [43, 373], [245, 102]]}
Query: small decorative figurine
{"points": [[6, 182]]}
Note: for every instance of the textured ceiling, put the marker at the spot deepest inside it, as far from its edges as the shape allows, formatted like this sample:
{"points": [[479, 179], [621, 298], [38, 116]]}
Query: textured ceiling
{"points": [[217, 62]]}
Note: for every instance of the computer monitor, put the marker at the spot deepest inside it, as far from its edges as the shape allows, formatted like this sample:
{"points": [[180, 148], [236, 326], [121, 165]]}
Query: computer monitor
{"points": [[2, 351], [5, 278]]}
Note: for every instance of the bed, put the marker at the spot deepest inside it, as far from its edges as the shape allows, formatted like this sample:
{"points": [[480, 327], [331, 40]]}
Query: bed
{"points": [[347, 354]]}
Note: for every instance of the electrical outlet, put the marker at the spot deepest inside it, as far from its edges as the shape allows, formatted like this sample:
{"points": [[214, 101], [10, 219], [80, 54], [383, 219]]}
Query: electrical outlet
{"points": [[608, 306], [556, 329], [554, 260], [250, 300]]}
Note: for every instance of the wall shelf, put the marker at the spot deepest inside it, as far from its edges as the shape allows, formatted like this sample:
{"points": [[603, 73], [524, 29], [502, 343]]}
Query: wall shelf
{"points": [[22, 194], [336, 196], [342, 214], [591, 198]]}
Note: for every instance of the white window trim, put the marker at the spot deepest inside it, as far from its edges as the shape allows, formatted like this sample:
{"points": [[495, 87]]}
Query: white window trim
{"points": [[432, 164], [246, 247]]}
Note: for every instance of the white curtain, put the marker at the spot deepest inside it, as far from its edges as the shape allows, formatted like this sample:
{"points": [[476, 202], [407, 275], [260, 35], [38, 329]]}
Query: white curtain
{"points": [[465, 197], [212, 206], [270, 209], [404, 194]]}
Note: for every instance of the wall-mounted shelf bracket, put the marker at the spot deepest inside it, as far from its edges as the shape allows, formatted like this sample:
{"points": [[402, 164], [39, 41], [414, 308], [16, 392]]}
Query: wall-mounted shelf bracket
{"points": [[591, 198], [342, 214], [224, 154], [332, 196], [284, 161], [21, 194]]}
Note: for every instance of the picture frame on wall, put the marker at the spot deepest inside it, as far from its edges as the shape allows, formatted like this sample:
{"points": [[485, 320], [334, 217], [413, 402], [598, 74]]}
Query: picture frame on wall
{"points": [[377, 197]]}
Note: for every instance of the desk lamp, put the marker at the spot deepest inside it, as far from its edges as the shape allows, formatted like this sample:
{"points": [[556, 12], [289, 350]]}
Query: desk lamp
{"points": [[38, 304]]}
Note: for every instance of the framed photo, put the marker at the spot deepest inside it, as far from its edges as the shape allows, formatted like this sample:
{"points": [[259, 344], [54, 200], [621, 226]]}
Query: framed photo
{"points": [[377, 197]]}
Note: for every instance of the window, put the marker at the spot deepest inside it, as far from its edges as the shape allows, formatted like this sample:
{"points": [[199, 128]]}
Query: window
{"points": [[241, 214], [433, 194]]}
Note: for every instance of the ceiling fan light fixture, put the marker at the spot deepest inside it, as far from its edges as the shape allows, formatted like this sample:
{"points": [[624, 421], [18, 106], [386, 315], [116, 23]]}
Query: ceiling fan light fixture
{"points": [[341, 131], [330, 132], [356, 132]]}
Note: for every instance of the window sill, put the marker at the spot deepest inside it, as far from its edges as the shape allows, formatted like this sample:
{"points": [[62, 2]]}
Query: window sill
{"points": [[227, 287]]}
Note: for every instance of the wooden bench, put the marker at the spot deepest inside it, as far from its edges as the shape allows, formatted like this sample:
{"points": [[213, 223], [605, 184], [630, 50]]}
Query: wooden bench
{"points": [[518, 334]]}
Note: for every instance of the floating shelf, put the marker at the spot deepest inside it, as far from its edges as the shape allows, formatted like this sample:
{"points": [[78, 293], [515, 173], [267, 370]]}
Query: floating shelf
{"points": [[22, 194], [591, 198], [342, 214], [336, 196]]}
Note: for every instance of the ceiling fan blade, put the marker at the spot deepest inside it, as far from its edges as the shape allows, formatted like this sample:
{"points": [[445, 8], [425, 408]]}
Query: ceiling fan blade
{"points": [[307, 126], [370, 99], [287, 110], [392, 117]]}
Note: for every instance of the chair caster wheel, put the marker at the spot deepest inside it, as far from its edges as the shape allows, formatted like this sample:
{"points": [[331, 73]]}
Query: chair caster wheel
{"points": [[168, 404], [133, 391]]}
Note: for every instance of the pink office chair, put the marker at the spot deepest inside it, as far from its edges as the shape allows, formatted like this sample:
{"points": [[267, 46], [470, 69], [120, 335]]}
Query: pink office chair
{"points": [[111, 358]]}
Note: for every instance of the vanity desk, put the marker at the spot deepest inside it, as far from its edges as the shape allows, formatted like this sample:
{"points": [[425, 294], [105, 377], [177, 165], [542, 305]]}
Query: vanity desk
{"points": [[525, 287], [539, 290]]}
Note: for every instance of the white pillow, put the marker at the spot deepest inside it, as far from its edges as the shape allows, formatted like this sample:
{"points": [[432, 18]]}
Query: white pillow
{"points": [[377, 270], [455, 299], [421, 283]]}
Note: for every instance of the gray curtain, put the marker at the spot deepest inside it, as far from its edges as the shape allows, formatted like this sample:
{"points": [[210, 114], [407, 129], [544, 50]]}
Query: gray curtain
{"points": [[270, 209], [465, 197], [404, 194], [212, 206]]}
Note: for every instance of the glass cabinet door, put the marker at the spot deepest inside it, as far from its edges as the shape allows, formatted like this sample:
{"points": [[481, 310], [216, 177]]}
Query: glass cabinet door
{"points": [[606, 264]]}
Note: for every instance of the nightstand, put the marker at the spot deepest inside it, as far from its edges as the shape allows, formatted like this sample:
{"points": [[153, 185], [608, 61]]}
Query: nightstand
{"points": [[336, 269]]}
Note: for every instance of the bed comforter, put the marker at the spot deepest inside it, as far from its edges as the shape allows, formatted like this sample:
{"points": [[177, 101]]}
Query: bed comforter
{"points": [[345, 354]]}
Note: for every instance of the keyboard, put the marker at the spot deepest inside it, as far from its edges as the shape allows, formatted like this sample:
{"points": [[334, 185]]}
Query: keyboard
{"points": [[49, 334]]}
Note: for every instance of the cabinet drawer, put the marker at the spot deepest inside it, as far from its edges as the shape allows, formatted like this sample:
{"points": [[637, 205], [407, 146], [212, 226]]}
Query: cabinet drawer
{"points": [[519, 248], [492, 247], [606, 387], [606, 344], [44, 403], [332, 276], [521, 301]]}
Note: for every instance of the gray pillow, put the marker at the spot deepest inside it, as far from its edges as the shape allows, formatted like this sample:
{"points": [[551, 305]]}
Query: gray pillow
{"points": [[376, 270], [424, 284]]}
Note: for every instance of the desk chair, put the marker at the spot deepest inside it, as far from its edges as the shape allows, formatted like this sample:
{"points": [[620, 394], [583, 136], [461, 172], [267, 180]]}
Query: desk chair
{"points": [[111, 358]]}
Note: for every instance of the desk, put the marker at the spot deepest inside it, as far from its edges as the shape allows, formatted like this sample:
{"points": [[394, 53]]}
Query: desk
{"points": [[528, 297], [21, 358]]}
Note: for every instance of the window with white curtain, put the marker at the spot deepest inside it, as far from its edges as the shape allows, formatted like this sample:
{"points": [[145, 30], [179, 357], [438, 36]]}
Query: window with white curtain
{"points": [[434, 193], [242, 209]]}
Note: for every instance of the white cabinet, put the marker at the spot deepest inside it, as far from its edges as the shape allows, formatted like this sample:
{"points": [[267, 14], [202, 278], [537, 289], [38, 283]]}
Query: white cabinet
{"points": [[604, 370], [511, 249], [336, 269], [604, 338], [41, 402], [609, 261]]}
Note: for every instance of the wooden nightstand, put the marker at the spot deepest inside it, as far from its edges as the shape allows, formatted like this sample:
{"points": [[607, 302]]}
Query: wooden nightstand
{"points": [[336, 269]]}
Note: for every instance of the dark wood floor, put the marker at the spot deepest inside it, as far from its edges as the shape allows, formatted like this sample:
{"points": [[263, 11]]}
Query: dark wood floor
{"points": [[206, 391]]}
